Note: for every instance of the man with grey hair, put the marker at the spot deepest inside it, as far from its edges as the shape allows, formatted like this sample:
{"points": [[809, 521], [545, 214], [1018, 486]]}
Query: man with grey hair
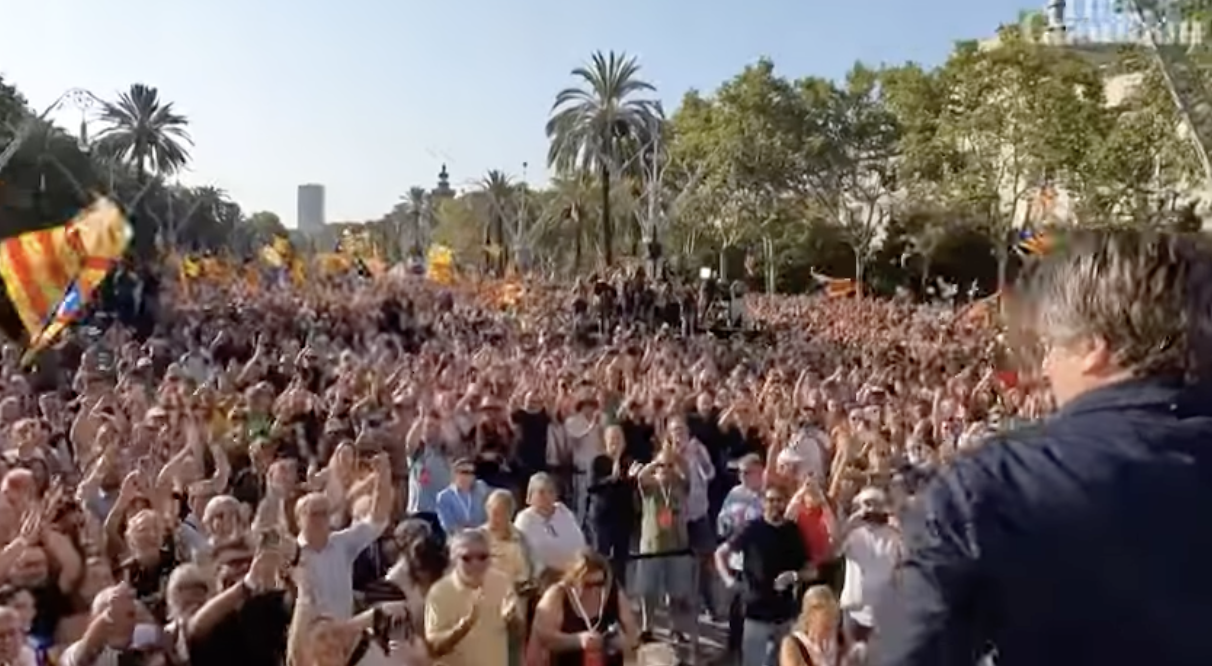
{"points": [[470, 611], [110, 631], [1078, 540]]}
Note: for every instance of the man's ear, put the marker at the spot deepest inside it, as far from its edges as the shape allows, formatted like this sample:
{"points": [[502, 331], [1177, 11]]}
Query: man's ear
{"points": [[1097, 357]]}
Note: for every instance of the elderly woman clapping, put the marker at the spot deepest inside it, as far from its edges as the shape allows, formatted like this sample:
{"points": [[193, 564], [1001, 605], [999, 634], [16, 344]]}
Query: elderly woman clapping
{"points": [[549, 527]]}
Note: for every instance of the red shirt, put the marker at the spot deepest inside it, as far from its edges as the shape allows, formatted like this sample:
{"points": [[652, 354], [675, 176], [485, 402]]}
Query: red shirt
{"points": [[815, 528]]}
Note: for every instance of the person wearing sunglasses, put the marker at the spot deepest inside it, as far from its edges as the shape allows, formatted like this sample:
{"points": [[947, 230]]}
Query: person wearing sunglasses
{"points": [[471, 611], [774, 560], [586, 612], [460, 505]]}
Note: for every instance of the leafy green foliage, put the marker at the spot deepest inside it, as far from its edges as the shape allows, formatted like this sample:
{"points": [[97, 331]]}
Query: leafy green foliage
{"points": [[598, 126]]}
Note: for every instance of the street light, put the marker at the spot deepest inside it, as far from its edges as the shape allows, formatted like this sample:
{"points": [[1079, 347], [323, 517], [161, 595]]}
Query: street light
{"points": [[521, 235], [78, 98]]}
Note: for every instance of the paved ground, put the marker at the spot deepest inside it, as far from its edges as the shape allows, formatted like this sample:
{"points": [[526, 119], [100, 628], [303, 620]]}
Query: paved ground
{"points": [[711, 636], [711, 641]]}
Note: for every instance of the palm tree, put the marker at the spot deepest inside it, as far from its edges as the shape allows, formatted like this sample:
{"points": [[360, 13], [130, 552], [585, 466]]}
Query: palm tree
{"points": [[147, 132], [499, 189], [592, 126], [565, 214]]}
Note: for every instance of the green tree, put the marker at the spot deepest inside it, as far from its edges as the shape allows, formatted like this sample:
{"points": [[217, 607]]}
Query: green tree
{"points": [[48, 177], [565, 207], [1142, 159], [1017, 118], [417, 204], [850, 167], [459, 225], [744, 143], [591, 126], [498, 193], [257, 231], [148, 133]]}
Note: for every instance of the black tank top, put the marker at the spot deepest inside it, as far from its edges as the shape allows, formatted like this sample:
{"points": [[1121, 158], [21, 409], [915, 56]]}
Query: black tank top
{"points": [[573, 624]]}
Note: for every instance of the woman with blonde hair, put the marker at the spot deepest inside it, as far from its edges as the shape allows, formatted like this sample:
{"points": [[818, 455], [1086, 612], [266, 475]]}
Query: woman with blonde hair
{"points": [[585, 612], [816, 638]]}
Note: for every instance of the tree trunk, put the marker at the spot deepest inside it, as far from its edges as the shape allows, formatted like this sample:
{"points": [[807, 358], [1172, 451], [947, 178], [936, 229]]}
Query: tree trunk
{"points": [[607, 227], [858, 273], [416, 230], [144, 228], [578, 246], [488, 249], [503, 247], [1003, 257], [925, 275]]}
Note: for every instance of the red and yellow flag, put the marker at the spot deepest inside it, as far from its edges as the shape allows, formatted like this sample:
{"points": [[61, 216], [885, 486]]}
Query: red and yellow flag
{"points": [[39, 267], [840, 287]]}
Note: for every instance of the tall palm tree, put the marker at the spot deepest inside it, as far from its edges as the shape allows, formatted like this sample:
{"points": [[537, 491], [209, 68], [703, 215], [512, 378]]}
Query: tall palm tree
{"points": [[592, 126], [147, 132], [499, 190]]}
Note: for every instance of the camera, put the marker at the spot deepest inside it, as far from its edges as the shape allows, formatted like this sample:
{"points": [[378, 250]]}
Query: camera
{"points": [[611, 645]]}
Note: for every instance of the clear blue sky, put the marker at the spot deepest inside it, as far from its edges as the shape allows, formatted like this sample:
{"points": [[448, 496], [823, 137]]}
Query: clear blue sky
{"points": [[369, 97]]}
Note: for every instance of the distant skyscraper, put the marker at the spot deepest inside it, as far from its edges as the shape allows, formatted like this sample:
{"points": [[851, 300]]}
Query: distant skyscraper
{"points": [[310, 213]]}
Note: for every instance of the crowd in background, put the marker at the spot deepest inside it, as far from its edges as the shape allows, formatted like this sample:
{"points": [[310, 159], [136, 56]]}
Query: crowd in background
{"points": [[392, 471]]}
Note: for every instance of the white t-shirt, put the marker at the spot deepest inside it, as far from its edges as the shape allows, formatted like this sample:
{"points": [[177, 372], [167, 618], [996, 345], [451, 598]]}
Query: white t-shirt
{"points": [[554, 542], [71, 656], [329, 570], [809, 445], [872, 552]]}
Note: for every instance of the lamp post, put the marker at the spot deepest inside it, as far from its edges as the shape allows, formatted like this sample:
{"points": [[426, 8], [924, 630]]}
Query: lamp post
{"points": [[521, 236], [78, 98]]}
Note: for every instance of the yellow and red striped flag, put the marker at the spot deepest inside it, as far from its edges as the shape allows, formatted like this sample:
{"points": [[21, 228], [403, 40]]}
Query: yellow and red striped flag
{"points": [[840, 287], [42, 268]]}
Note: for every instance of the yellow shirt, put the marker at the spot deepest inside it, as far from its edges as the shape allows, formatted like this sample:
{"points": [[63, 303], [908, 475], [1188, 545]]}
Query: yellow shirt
{"points": [[449, 601], [508, 556]]}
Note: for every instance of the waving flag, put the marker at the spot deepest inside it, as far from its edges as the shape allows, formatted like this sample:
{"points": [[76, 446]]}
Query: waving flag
{"points": [[40, 267], [1033, 244], [70, 308]]}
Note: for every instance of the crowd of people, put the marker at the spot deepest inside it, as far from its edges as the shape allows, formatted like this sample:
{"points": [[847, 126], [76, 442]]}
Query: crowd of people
{"points": [[390, 471]]}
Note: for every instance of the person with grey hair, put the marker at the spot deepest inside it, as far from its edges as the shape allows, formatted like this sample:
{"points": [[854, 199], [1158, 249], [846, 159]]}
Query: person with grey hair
{"points": [[1077, 540], [471, 611], [550, 528], [110, 632]]}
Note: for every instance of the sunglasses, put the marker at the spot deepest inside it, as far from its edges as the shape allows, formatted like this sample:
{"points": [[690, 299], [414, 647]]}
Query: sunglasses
{"points": [[464, 471]]}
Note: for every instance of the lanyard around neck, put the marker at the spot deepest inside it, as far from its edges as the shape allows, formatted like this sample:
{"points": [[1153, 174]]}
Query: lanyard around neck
{"points": [[575, 596], [466, 504]]}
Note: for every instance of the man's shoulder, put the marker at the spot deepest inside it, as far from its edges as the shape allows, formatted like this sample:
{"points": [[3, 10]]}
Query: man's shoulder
{"points": [[71, 656], [759, 529], [443, 589]]}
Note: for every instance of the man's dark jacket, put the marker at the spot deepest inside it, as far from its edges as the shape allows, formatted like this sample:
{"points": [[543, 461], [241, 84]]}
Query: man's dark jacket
{"points": [[1085, 539]]}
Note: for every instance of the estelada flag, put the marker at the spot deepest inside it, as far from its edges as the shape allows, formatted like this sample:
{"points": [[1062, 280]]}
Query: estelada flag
{"points": [[1033, 244], [39, 268]]}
